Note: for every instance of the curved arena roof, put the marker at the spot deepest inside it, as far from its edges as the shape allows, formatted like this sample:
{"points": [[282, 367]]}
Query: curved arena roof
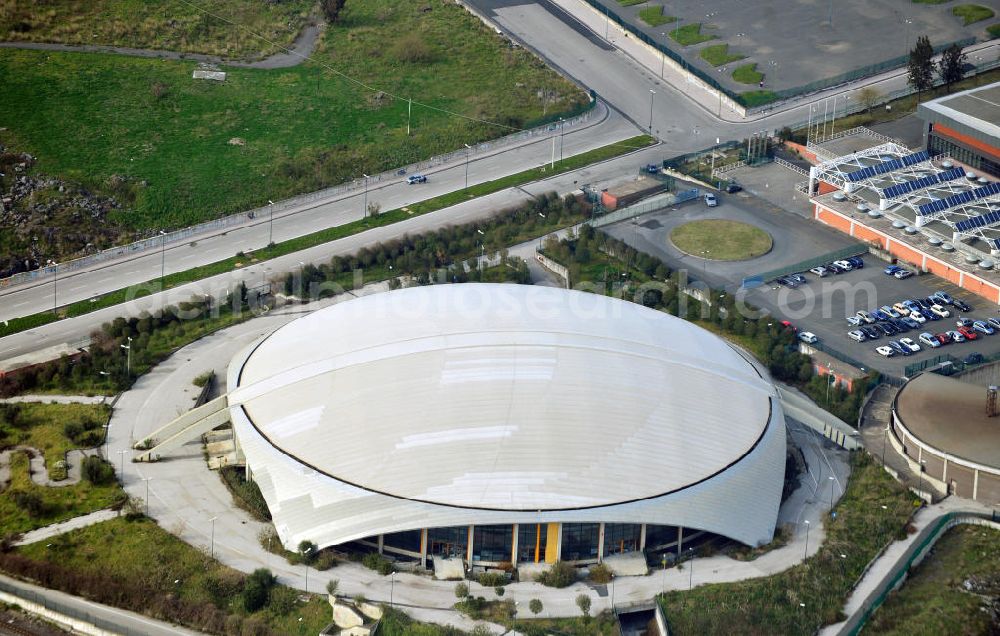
{"points": [[495, 402]]}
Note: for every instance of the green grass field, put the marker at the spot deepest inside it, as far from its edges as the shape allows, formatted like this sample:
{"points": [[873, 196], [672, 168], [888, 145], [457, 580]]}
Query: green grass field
{"points": [[757, 98], [43, 426], [871, 513], [718, 54], [723, 239], [630, 3], [689, 34], [933, 599], [971, 13], [171, 25], [994, 30], [747, 74], [130, 127], [653, 16]]}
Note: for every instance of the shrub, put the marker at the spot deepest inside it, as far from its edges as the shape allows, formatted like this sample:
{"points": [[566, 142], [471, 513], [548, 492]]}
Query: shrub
{"points": [[257, 589], [245, 493], [97, 471], [29, 502], [331, 586], [492, 579], [325, 560], [461, 590], [561, 574], [72, 430], [535, 606], [307, 550], [583, 602], [600, 574], [282, 600], [498, 590], [201, 380], [377, 562], [412, 49]]}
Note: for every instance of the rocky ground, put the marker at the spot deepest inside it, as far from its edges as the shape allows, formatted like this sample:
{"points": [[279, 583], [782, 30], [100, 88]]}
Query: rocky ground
{"points": [[42, 217]]}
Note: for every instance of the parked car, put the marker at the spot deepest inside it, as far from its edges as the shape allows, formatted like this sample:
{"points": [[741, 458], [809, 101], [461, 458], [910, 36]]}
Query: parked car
{"points": [[955, 336], [844, 265], [908, 343], [871, 332], [983, 327], [798, 278], [994, 322], [889, 311], [788, 325], [854, 321], [961, 305], [940, 311], [928, 339], [652, 168], [710, 200], [820, 271], [909, 322], [943, 338], [902, 274], [898, 348], [892, 269], [416, 178], [733, 187], [944, 297], [808, 337], [857, 335], [878, 314], [834, 268], [974, 358], [886, 328], [901, 326], [918, 317], [787, 282], [885, 351], [963, 322], [902, 308], [968, 332], [856, 261], [923, 303], [911, 305], [865, 317]]}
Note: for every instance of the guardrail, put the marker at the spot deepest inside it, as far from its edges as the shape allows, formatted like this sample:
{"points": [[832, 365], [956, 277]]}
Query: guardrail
{"points": [[159, 241], [802, 266], [791, 166], [33, 602]]}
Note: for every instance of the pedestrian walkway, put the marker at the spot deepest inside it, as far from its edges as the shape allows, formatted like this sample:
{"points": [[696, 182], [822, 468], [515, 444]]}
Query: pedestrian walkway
{"points": [[56, 529], [57, 399]]}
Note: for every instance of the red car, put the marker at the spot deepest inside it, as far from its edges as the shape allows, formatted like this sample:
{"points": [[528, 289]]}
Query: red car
{"points": [[943, 338], [788, 325], [968, 332]]}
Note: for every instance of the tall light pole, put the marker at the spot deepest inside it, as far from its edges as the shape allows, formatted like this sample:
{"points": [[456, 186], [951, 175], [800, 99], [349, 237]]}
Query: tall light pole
{"points": [[212, 549], [807, 540], [652, 94], [690, 568], [562, 123], [468, 149], [663, 562], [121, 470], [830, 479], [163, 256], [146, 479], [55, 283], [364, 210], [128, 357], [270, 222], [612, 593], [392, 587], [885, 434], [663, 56]]}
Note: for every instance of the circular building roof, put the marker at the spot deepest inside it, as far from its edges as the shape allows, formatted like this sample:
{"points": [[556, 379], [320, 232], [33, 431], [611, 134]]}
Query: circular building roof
{"points": [[504, 397]]}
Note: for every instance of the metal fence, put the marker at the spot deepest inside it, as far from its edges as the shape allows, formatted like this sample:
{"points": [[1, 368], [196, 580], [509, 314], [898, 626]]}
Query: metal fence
{"points": [[67, 610], [159, 241], [802, 266]]}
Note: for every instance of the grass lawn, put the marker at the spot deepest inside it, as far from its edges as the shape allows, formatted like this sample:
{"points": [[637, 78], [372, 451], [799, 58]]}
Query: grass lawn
{"points": [[129, 127], [930, 1], [972, 13], [994, 30], [324, 236], [872, 513], [933, 599], [57, 503], [718, 54], [158, 574], [723, 239], [44, 426], [757, 98], [653, 16], [747, 74], [629, 3], [690, 34], [171, 25]]}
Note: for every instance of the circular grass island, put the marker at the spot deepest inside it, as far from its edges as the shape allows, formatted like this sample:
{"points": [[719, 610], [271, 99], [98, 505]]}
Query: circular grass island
{"points": [[721, 240]]}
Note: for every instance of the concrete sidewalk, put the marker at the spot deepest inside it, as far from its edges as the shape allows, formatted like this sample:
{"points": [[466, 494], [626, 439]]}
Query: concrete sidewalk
{"points": [[56, 529], [58, 399]]}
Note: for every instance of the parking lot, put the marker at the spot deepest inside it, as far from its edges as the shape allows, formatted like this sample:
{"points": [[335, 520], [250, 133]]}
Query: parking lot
{"points": [[822, 305]]}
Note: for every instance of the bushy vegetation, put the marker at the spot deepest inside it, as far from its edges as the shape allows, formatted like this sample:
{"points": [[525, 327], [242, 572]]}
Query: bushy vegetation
{"points": [[136, 565], [561, 574], [377, 562], [874, 510], [245, 493], [493, 579], [600, 574], [54, 429], [97, 470]]}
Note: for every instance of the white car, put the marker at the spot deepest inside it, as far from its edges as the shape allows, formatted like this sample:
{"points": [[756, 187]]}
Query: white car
{"points": [[955, 336], [865, 317], [857, 335], [710, 200], [902, 309], [808, 337], [844, 265], [854, 321], [885, 351], [820, 271], [908, 343], [940, 311], [919, 317], [928, 339]]}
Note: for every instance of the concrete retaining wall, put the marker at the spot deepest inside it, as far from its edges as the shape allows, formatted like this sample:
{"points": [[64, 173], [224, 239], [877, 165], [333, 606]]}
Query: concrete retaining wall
{"points": [[76, 625]]}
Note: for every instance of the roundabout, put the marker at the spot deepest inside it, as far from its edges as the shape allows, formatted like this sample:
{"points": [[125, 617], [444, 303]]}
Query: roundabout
{"points": [[721, 240]]}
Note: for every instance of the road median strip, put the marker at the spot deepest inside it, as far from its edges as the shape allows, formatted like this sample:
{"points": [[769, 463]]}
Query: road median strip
{"points": [[119, 296]]}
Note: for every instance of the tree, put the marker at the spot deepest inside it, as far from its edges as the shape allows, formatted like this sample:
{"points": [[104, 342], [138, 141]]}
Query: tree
{"points": [[950, 67], [499, 591], [307, 550], [257, 589], [535, 606], [921, 65], [331, 586], [332, 9], [461, 590], [583, 602], [374, 208], [869, 96]]}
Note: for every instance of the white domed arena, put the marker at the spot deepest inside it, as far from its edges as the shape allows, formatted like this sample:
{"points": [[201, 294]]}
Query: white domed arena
{"points": [[506, 424]]}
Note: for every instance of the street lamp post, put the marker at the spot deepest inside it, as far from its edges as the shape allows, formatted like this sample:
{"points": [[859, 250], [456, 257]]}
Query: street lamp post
{"points": [[885, 434], [55, 284], [468, 149], [212, 549], [270, 222], [146, 479], [829, 373], [128, 357], [364, 211], [562, 123], [830, 479], [121, 470], [690, 568], [807, 539], [663, 562], [663, 57], [163, 256], [652, 94], [392, 587], [612, 593]]}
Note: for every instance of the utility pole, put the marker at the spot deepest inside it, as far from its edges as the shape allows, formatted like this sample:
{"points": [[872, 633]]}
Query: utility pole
{"points": [[163, 256], [409, 114], [468, 149], [55, 284], [364, 211], [652, 94], [270, 223]]}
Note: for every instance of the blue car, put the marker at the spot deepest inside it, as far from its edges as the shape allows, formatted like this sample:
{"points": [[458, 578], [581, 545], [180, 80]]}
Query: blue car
{"points": [[892, 269]]}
